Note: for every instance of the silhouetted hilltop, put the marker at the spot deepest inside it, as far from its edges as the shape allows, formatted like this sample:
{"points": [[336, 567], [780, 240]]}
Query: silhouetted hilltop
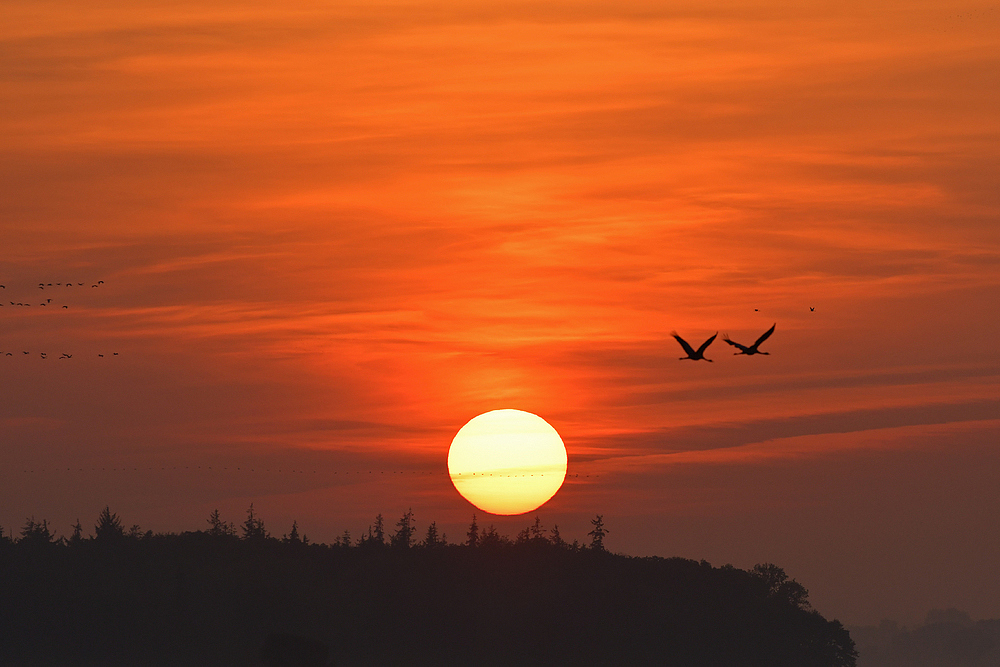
{"points": [[200, 598]]}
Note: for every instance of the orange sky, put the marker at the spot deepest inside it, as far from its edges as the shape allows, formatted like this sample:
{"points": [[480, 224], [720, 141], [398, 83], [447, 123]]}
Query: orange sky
{"points": [[330, 235]]}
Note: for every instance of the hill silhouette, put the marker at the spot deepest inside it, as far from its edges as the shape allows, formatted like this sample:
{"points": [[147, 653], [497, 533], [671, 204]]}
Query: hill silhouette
{"points": [[215, 598]]}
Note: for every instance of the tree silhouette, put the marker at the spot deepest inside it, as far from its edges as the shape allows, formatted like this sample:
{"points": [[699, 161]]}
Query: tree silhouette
{"points": [[36, 533], [472, 537], [219, 528], [293, 536], [379, 533], [432, 539], [77, 536], [779, 586], [598, 533], [184, 599], [535, 531], [108, 527], [492, 538], [253, 527], [135, 532], [344, 540], [403, 538]]}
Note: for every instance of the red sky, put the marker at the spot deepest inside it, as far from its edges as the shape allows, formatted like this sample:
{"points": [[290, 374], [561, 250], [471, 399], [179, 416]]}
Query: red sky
{"points": [[331, 234]]}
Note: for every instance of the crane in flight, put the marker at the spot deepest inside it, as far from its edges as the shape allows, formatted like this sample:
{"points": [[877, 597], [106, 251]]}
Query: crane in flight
{"points": [[692, 354], [753, 348]]}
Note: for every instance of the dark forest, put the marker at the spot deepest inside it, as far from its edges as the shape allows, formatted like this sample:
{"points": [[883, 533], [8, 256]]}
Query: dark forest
{"points": [[235, 595]]}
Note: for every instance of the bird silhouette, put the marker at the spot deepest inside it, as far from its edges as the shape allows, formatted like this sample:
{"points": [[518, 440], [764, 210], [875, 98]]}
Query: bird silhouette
{"points": [[692, 354], [811, 309], [753, 348]]}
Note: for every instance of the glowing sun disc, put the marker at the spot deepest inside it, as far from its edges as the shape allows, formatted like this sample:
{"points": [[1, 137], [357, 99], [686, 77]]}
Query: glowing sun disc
{"points": [[507, 461]]}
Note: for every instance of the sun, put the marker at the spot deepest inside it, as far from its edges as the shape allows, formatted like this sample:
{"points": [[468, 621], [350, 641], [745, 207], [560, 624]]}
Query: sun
{"points": [[507, 461]]}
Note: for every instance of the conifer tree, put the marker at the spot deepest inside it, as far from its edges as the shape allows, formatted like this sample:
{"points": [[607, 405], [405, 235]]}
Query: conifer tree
{"points": [[536, 529], [293, 536], [36, 532], [219, 528], [598, 533], [432, 539], [473, 534], [77, 536], [403, 538], [109, 526], [253, 527]]}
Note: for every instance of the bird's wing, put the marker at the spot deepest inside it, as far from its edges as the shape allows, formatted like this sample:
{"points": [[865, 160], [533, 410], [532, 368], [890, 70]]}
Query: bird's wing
{"points": [[684, 344], [704, 346], [765, 335], [734, 344]]}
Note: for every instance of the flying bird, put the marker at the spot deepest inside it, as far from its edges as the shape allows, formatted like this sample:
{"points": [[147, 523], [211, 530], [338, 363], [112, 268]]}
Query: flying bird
{"points": [[694, 355], [811, 309], [753, 348]]}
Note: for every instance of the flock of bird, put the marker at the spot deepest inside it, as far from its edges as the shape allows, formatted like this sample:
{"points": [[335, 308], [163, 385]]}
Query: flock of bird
{"points": [[699, 354], [45, 355], [284, 471], [45, 303]]}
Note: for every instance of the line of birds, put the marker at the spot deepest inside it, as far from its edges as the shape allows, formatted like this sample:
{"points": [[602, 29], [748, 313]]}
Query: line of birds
{"points": [[21, 303], [44, 285], [45, 355], [699, 354], [349, 472]]}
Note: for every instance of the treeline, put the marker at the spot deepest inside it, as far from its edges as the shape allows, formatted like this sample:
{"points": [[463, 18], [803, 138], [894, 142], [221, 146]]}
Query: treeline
{"points": [[236, 595], [946, 638], [109, 527]]}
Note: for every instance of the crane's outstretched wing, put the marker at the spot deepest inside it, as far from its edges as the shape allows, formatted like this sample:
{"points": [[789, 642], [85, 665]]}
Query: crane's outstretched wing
{"points": [[704, 346], [734, 344], [765, 335], [684, 344]]}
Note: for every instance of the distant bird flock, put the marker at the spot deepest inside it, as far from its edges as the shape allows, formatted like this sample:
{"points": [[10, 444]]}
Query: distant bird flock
{"points": [[284, 471], [47, 303]]}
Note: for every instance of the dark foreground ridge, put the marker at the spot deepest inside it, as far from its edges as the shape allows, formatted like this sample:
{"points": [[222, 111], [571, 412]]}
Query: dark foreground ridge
{"points": [[213, 598]]}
